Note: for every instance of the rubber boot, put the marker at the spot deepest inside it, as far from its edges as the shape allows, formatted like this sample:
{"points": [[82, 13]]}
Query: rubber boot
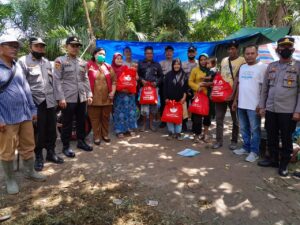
{"points": [[10, 180], [29, 171]]}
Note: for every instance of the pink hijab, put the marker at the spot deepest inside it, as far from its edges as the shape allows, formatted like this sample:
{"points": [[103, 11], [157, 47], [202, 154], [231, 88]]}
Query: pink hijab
{"points": [[117, 68]]}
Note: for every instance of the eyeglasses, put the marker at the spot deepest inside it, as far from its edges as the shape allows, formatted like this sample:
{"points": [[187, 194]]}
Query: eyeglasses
{"points": [[12, 45]]}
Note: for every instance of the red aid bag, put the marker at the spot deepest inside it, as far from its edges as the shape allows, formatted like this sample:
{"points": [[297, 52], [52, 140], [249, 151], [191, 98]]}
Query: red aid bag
{"points": [[221, 89], [127, 81], [173, 113], [148, 95], [200, 104]]}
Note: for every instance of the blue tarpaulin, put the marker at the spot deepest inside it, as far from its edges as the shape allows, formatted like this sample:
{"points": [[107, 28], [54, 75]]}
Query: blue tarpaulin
{"points": [[215, 48], [137, 48]]}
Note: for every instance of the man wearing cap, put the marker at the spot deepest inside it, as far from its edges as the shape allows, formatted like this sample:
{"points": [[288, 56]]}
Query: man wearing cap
{"points": [[38, 73], [17, 110], [229, 69], [72, 90], [280, 103], [166, 66]]}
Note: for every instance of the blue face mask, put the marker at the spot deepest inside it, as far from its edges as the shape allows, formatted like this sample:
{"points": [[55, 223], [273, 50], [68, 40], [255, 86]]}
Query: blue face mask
{"points": [[100, 58]]}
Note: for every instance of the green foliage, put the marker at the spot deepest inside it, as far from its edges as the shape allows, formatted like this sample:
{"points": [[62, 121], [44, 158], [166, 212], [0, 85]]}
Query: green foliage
{"points": [[143, 20], [5, 12]]}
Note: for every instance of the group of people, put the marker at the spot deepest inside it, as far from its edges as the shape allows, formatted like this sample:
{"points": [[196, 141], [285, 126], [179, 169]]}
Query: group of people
{"points": [[31, 89]]}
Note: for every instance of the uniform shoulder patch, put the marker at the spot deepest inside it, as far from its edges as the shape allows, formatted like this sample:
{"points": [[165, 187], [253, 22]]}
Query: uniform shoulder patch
{"points": [[57, 64]]}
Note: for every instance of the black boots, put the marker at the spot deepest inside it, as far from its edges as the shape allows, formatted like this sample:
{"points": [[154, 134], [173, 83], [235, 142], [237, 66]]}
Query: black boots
{"points": [[84, 146], [52, 157]]}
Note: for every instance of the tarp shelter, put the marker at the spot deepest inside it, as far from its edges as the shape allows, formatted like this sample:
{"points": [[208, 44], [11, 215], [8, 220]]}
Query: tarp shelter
{"points": [[216, 48]]}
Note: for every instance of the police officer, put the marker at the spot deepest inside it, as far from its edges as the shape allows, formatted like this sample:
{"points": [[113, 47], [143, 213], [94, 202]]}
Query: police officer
{"points": [[187, 67], [72, 89], [166, 66], [38, 73], [280, 103]]}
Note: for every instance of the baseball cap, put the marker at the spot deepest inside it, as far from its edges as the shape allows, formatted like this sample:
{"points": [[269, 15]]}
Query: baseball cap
{"points": [[36, 40], [9, 38]]}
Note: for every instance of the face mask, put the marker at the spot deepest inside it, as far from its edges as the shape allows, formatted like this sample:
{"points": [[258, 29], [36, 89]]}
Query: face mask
{"points": [[191, 57], [286, 53], [37, 55], [101, 59]]}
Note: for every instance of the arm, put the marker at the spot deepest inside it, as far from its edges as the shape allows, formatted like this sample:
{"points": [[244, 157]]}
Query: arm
{"points": [[297, 109], [160, 76], [57, 78], [114, 83], [165, 87], [264, 91], [28, 94], [87, 84], [191, 82]]}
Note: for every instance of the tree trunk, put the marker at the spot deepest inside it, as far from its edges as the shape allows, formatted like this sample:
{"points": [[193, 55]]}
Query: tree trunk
{"points": [[279, 16], [90, 29], [262, 19]]}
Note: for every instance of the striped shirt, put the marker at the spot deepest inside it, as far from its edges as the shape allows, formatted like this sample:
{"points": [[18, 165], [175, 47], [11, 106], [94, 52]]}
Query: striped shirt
{"points": [[16, 104]]}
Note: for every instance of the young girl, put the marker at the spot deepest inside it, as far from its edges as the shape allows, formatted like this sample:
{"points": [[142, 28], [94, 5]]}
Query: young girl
{"points": [[198, 81], [175, 88]]}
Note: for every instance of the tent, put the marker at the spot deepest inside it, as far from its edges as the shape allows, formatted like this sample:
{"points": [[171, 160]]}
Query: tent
{"points": [[215, 48]]}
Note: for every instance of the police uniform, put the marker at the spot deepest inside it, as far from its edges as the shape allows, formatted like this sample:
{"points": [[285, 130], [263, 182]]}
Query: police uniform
{"points": [[280, 97], [187, 66], [40, 79], [72, 85], [166, 66]]}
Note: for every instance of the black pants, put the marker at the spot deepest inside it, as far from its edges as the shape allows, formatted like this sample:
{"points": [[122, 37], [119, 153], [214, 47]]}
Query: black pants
{"points": [[45, 129], [280, 125], [162, 99], [79, 111], [198, 120]]}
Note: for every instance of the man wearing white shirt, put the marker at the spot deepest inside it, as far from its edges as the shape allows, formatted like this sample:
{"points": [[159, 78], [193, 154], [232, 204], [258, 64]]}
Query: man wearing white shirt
{"points": [[250, 79]]}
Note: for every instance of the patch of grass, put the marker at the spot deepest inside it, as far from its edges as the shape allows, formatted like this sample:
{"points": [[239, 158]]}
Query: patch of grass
{"points": [[98, 209]]}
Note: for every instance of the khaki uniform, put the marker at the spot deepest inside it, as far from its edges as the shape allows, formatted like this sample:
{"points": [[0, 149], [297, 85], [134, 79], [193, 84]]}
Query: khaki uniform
{"points": [[40, 78], [281, 88], [187, 66], [166, 66], [71, 80], [280, 97], [72, 84]]}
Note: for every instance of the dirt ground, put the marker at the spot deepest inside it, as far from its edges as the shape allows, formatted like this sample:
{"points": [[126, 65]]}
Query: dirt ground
{"points": [[215, 187]]}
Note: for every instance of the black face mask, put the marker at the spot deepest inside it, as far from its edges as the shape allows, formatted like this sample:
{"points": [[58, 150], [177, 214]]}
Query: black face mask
{"points": [[286, 53], [191, 57], [37, 55]]}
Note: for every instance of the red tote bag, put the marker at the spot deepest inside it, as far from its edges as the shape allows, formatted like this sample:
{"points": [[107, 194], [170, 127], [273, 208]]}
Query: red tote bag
{"points": [[221, 89], [200, 104], [173, 112], [148, 95], [127, 81]]}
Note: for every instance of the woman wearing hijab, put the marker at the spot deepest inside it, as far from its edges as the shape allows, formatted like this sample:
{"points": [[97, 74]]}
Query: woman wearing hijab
{"points": [[198, 82], [125, 119], [103, 85], [175, 88]]}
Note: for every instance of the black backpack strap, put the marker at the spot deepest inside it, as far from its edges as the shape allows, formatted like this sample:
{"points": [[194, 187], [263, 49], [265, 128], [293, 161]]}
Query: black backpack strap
{"points": [[230, 67], [5, 85]]}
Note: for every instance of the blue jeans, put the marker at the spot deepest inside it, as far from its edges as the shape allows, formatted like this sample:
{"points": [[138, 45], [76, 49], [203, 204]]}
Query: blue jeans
{"points": [[174, 128], [250, 129]]}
